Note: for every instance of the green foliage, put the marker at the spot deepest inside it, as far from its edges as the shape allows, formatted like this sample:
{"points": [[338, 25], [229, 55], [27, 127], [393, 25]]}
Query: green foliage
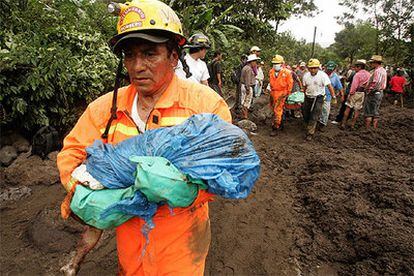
{"points": [[355, 41], [392, 20], [200, 19], [235, 26], [54, 57]]}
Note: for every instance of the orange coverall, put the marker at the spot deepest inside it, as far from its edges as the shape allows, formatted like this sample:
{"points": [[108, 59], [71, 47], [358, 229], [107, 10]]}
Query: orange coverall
{"points": [[180, 241], [280, 88]]}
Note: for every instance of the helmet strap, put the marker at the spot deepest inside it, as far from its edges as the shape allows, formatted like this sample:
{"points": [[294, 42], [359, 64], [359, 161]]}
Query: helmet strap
{"points": [[186, 68], [114, 97]]}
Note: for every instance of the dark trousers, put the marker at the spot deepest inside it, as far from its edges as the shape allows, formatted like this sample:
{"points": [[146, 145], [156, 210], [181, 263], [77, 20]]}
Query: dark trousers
{"points": [[238, 96], [311, 109], [341, 113], [216, 88]]}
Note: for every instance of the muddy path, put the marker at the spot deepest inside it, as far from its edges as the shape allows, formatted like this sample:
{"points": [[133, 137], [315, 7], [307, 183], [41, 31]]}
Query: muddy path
{"points": [[342, 204]]}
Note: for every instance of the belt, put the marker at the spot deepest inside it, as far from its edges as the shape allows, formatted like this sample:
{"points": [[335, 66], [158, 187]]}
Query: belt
{"points": [[313, 97]]}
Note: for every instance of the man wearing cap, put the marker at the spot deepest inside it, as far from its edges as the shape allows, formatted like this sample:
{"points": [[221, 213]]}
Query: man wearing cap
{"points": [[337, 86], [301, 70], [280, 85], [256, 51], [356, 92], [259, 80], [248, 82], [149, 41], [314, 83], [198, 44], [374, 91]]}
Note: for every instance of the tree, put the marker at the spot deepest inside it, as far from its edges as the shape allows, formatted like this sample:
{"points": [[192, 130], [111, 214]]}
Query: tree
{"points": [[200, 18], [392, 20], [355, 41]]}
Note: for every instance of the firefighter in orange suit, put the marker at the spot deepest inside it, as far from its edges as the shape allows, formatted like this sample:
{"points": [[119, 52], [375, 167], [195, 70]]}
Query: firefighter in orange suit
{"points": [[280, 84], [148, 45]]}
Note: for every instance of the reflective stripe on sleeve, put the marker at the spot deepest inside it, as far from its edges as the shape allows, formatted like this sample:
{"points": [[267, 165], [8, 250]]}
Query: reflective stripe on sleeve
{"points": [[124, 129], [172, 121]]}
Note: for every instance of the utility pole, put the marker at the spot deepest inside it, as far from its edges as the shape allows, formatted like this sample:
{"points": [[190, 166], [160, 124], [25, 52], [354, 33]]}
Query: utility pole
{"points": [[313, 43]]}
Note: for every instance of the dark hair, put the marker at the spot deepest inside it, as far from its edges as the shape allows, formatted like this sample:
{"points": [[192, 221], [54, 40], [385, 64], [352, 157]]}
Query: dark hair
{"points": [[400, 72], [195, 50], [216, 53], [172, 45], [360, 65]]}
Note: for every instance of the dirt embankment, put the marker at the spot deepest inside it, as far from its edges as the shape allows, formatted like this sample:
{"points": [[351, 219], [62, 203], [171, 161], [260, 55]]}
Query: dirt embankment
{"points": [[341, 204]]}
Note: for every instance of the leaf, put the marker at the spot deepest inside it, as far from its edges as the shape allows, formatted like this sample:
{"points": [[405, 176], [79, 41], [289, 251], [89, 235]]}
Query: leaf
{"points": [[231, 27], [223, 39]]}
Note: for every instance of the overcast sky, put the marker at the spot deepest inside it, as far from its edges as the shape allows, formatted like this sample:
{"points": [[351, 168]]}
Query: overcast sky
{"points": [[324, 21]]}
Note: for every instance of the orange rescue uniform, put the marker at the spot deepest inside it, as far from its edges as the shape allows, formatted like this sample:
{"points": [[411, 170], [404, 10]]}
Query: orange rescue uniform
{"points": [[280, 88], [180, 241]]}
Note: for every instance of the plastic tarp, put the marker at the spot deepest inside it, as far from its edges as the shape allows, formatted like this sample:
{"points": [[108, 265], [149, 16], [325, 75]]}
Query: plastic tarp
{"points": [[156, 178], [203, 147], [295, 98]]}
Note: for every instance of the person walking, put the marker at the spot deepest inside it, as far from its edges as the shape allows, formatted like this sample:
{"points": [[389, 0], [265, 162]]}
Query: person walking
{"points": [[337, 86], [356, 93], [259, 80], [248, 82], [301, 70], [216, 72], [374, 92], [198, 44], [348, 77], [155, 98], [397, 84], [314, 82], [236, 75], [281, 83]]}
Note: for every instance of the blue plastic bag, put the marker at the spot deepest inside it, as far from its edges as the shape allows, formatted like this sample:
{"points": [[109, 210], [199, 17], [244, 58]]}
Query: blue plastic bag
{"points": [[202, 147]]}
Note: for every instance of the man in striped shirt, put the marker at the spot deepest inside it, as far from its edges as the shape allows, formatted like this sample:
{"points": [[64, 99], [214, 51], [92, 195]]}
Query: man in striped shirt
{"points": [[374, 91]]}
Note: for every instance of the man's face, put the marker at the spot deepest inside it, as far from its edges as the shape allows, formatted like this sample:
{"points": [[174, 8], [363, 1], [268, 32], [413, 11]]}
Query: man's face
{"points": [[203, 53], [313, 70], [253, 64], [149, 65], [357, 68]]}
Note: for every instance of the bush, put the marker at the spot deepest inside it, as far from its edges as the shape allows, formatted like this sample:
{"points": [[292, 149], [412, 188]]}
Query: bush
{"points": [[54, 58]]}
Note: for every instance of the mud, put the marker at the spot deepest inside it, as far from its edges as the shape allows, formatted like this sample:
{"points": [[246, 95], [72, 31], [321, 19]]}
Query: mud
{"points": [[342, 204]]}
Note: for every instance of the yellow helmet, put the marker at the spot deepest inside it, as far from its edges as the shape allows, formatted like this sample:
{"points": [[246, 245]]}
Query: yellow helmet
{"points": [[313, 62], [278, 59], [152, 20]]}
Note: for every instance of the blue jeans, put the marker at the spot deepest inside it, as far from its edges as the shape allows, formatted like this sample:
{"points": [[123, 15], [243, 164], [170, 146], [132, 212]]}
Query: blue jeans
{"points": [[326, 109]]}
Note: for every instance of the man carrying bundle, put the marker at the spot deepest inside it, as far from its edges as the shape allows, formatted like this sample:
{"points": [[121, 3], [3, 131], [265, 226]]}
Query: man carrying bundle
{"points": [[149, 38]]}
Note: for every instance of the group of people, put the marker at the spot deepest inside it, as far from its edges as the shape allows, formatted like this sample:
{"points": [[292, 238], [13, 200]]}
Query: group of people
{"points": [[167, 86], [191, 65], [321, 85]]}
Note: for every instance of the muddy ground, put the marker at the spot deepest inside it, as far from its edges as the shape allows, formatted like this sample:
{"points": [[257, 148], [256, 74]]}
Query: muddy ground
{"points": [[342, 204]]}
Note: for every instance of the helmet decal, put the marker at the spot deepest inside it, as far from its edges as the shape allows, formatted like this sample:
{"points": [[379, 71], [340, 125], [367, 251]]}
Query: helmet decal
{"points": [[129, 10]]}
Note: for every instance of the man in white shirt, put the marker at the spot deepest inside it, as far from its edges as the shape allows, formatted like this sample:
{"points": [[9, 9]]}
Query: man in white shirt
{"points": [[259, 80], [193, 61], [314, 83]]}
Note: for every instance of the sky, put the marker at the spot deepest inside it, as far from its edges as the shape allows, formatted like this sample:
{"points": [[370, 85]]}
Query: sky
{"points": [[324, 21]]}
